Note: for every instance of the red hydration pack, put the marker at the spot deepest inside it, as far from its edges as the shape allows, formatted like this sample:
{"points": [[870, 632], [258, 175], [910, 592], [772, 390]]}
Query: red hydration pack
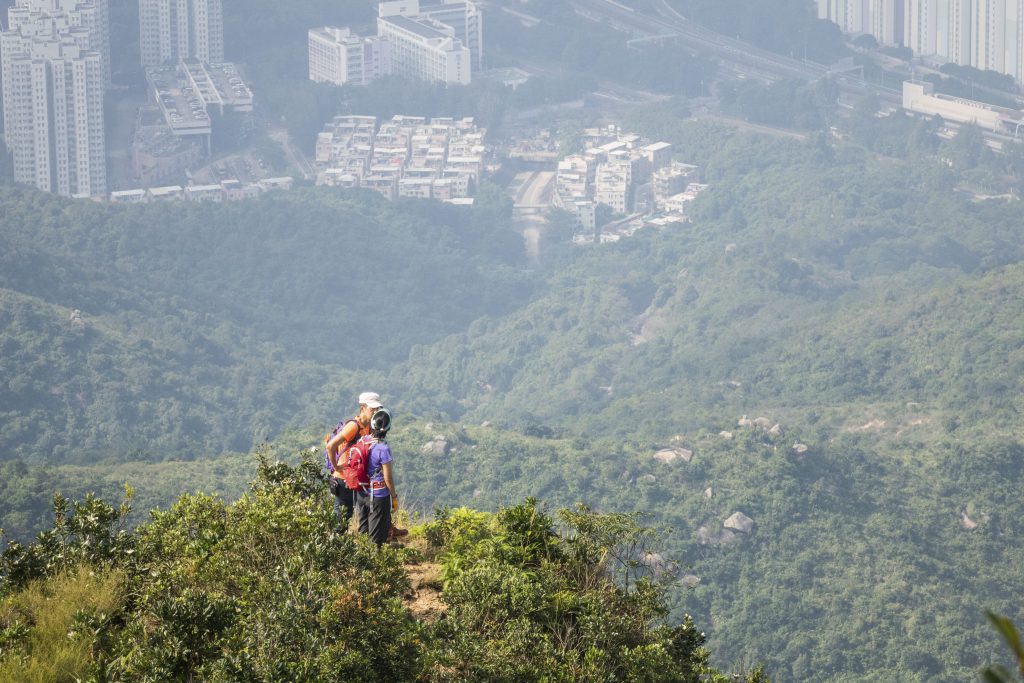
{"points": [[356, 470], [341, 451]]}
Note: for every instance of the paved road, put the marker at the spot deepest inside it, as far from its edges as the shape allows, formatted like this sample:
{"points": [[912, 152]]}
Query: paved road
{"points": [[532, 196], [537, 191], [295, 156]]}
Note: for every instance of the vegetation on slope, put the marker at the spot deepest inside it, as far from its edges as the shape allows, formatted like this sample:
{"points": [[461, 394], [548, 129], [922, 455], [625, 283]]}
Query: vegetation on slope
{"points": [[861, 295], [806, 282], [207, 329], [874, 551], [267, 589]]}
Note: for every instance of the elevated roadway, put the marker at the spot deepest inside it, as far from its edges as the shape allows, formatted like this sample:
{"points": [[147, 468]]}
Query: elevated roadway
{"points": [[744, 58]]}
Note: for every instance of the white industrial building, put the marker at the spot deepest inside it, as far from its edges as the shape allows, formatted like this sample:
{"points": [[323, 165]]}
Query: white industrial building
{"points": [[464, 17], [53, 61], [440, 41], [172, 30], [339, 56], [425, 50], [920, 97]]}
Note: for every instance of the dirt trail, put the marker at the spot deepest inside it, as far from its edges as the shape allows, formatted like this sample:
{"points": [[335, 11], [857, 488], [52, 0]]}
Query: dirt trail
{"points": [[424, 597]]}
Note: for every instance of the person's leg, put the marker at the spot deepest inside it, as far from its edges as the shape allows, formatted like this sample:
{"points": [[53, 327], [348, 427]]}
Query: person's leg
{"points": [[380, 519], [343, 505], [348, 498], [365, 512], [337, 501]]}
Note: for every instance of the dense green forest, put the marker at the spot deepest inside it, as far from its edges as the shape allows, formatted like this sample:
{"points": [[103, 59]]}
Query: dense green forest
{"points": [[210, 328], [863, 299], [857, 282]]}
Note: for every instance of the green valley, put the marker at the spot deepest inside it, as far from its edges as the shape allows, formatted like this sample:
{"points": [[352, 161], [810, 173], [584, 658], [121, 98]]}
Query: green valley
{"points": [[866, 303]]}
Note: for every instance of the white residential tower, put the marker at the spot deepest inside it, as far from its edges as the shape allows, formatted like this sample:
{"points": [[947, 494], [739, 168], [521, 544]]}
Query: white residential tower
{"points": [[181, 29], [54, 60]]}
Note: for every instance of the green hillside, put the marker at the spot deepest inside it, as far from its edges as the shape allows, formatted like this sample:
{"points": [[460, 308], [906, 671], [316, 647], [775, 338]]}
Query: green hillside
{"points": [[205, 329], [829, 291], [868, 305]]}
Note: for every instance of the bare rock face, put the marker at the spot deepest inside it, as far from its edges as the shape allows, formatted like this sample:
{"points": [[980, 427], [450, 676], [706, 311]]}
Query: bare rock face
{"points": [[690, 580], [971, 524], [708, 493], [966, 522], [656, 562], [739, 522], [800, 449], [776, 430], [437, 447], [722, 538], [667, 455]]}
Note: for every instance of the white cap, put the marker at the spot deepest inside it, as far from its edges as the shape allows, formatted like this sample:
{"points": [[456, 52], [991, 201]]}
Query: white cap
{"points": [[370, 399]]}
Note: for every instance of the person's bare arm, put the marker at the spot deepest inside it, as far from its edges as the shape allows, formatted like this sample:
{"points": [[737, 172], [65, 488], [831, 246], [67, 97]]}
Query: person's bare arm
{"points": [[347, 433], [389, 482]]}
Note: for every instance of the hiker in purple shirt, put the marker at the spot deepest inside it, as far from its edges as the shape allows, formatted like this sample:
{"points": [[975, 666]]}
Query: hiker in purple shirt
{"points": [[375, 504]]}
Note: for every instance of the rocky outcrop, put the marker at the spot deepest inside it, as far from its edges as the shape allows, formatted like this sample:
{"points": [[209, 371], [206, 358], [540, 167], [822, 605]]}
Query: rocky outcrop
{"points": [[721, 537], [800, 449], [667, 455], [708, 493], [690, 580], [739, 522], [966, 522], [438, 447], [656, 562], [725, 435], [764, 424], [971, 524]]}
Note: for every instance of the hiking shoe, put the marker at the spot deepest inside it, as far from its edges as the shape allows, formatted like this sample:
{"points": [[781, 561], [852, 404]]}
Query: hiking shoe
{"points": [[395, 532]]}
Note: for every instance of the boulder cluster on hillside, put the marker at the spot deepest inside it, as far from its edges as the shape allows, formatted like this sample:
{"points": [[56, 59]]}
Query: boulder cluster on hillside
{"points": [[667, 455], [438, 447], [735, 524]]}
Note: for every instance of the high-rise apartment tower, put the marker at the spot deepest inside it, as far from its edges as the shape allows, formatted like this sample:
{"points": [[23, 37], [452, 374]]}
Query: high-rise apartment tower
{"points": [[54, 60], [181, 29], [985, 34]]}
